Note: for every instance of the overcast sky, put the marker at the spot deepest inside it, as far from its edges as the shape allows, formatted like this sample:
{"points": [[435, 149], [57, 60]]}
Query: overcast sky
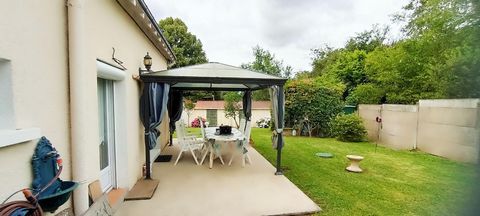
{"points": [[289, 29]]}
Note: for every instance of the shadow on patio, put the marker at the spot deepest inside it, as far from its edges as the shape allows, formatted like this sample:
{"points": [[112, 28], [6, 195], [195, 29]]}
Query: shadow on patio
{"points": [[188, 189]]}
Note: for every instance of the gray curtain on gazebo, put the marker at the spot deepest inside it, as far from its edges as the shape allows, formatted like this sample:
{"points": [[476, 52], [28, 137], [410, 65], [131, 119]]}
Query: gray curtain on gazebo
{"points": [[175, 108], [153, 104], [278, 109], [247, 105]]}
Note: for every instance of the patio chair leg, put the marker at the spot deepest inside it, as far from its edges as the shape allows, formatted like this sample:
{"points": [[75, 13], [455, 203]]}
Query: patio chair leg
{"points": [[231, 158], [221, 159], [203, 157], [243, 160], [211, 159], [194, 157], [249, 159], [178, 158]]}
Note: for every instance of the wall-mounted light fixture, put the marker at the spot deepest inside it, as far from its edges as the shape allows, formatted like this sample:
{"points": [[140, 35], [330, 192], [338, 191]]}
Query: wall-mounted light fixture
{"points": [[147, 61]]}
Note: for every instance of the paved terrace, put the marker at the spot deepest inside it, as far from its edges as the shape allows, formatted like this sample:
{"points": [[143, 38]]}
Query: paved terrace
{"points": [[188, 189]]}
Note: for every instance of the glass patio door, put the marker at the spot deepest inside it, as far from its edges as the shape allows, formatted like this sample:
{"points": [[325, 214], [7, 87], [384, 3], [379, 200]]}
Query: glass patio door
{"points": [[107, 133]]}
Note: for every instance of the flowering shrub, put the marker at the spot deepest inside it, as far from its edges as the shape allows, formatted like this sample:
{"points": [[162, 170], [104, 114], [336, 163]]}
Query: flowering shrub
{"points": [[196, 122], [263, 122]]}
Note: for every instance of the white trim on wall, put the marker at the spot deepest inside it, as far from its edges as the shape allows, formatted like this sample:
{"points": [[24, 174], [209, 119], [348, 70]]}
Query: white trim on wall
{"points": [[109, 72], [12, 137], [9, 134]]}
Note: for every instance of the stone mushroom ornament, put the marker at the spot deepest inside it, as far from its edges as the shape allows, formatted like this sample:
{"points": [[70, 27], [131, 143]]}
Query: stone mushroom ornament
{"points": [[354, 163]]}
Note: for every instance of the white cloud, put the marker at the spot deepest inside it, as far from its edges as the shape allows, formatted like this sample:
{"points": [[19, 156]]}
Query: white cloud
{"points": [[289, 29]]}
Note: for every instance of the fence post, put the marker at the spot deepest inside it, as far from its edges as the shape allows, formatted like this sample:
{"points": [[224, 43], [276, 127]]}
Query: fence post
{"points": [[478, 134], [416, 130]]}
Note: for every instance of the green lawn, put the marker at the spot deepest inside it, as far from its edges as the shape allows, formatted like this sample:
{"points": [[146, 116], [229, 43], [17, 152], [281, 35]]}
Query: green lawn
{"points": [[393, 182]]}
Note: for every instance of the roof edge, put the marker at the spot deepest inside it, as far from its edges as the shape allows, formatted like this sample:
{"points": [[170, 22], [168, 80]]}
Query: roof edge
{"points": [[188, 66], [141, 15]]}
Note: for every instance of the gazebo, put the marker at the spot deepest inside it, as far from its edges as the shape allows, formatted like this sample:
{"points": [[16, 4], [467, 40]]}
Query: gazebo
{"points": [[162, 91]]}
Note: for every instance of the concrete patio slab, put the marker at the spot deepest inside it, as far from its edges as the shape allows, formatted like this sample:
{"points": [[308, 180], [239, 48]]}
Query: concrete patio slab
{"points": [[188, 189]]}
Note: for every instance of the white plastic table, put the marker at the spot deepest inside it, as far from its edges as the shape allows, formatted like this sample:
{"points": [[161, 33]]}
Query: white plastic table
{"points": [[220, 140], [236, 135]]}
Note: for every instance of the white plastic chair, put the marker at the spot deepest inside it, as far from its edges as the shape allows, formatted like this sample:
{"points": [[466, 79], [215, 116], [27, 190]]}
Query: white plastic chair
{"points": [[187, 143], [242, 145]]}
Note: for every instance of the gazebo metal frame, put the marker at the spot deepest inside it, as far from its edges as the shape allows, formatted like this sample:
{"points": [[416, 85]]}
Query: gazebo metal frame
{"points": [[211, 77]]}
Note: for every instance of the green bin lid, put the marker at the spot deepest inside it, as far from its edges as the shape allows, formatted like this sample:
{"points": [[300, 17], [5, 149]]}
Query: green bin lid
{"points": [[324, 155]]}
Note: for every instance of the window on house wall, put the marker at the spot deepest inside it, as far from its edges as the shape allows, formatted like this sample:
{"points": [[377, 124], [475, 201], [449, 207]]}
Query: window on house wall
{"points": [[7, 120], [212, 117], [9, 134]]}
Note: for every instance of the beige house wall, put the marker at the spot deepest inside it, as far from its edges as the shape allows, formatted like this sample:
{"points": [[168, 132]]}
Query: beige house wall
{"points": [[108, 25], [257, 114], [447, 128], [34, 41]]}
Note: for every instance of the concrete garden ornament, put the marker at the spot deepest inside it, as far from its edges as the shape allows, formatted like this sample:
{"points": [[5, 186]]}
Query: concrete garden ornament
{"points": [[354, 163]]}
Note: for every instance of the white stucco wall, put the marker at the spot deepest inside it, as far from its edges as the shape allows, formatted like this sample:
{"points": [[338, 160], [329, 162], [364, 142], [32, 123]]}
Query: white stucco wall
{"points": [[33, 37], [34, 40], [110, 26]]}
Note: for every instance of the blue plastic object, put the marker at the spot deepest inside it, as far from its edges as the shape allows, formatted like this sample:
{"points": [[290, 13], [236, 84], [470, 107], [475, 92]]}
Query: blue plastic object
{"points": [[44, 164]]}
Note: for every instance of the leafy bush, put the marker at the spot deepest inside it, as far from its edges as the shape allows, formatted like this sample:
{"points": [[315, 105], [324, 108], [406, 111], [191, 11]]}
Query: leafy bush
{"points": [[196, 122], [314, 102], [349, 128], [365, 94]]}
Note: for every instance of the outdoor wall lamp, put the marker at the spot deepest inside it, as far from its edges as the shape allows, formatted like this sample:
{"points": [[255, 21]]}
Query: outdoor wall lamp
{"points": [[147, 61]]}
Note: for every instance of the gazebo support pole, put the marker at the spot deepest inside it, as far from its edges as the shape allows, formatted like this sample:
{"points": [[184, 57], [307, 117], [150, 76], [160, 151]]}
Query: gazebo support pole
{"points": [[279, 160], [280, 105], [147, 158]]}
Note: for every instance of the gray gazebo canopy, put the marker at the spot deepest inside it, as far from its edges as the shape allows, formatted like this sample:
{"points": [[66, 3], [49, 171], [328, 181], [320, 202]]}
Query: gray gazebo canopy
{"points": [[162, 89], [213, 76]]}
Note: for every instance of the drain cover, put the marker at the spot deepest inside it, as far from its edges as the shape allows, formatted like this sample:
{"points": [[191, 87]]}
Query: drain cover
{"points": [[324, 155]]}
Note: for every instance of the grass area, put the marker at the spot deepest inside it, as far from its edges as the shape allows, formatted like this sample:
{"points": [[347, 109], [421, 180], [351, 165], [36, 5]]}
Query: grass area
{"points": [[192, 131], [393, 182]]}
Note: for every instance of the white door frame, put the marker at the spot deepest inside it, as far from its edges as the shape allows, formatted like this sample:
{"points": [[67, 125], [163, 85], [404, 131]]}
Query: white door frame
{"points": [[117, 75], [107, 174]]}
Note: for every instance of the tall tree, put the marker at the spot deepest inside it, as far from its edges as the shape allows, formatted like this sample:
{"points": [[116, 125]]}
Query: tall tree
{"points": [[232, 106], [188, 106], [450, 30], [368, 40], [266, 62], [437, 59], [186, 46], [188, 49]]}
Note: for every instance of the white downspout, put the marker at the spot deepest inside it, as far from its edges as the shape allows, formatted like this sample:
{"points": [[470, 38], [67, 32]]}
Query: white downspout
{"points": [[78, 97]]}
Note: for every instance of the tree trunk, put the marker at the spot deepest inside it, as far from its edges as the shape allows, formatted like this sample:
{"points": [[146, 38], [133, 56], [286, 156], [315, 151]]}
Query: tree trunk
{"points": [[309, 128], [235, 120]]}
